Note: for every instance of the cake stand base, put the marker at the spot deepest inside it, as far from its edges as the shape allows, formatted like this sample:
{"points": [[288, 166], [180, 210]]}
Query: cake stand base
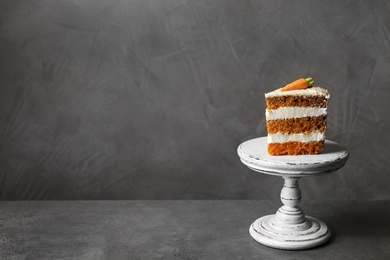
{"points": [[290, 228], [311, 233]]}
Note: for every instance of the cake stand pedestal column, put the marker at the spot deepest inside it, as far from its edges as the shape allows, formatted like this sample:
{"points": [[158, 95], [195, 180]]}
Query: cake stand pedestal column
{"points": [[289, 228]]}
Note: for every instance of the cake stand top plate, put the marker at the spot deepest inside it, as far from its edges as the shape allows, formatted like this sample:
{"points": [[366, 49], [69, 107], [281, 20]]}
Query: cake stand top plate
{"points": [[254, 154]]}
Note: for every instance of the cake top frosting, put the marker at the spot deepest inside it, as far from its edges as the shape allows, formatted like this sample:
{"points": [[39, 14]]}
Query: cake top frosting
{"points": [[313, 91]]}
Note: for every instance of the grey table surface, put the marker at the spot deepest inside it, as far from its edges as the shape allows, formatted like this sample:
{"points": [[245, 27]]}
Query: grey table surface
{"points": [[192, 229]]}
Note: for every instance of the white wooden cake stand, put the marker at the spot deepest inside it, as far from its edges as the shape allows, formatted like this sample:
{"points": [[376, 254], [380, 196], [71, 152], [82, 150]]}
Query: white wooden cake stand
{"points": [[289, 228]]}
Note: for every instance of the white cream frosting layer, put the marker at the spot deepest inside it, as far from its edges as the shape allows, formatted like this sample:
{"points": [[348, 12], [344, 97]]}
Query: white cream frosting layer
{"points": [[314, 91], [294, 112], [305, 138]]}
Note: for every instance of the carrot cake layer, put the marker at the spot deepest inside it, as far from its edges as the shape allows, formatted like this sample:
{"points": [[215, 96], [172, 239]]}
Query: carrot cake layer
{"points": [[297, 125], [296, 101], [295, 148]]}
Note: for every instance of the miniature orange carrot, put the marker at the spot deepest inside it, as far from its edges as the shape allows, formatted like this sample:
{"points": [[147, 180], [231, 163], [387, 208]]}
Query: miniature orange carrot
{"points": [[299, 84]]}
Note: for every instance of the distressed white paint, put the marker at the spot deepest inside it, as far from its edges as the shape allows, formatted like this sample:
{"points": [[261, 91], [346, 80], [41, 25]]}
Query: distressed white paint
{"points": [[289, 228]]}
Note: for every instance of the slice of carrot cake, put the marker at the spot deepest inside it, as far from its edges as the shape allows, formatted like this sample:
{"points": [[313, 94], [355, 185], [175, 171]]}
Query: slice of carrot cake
{"points": [[296, 118]]}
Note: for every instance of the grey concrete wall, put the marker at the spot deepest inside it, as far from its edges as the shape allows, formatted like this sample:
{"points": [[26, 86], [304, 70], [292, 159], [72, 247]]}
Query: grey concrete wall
{"points": [[150, 99]]}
